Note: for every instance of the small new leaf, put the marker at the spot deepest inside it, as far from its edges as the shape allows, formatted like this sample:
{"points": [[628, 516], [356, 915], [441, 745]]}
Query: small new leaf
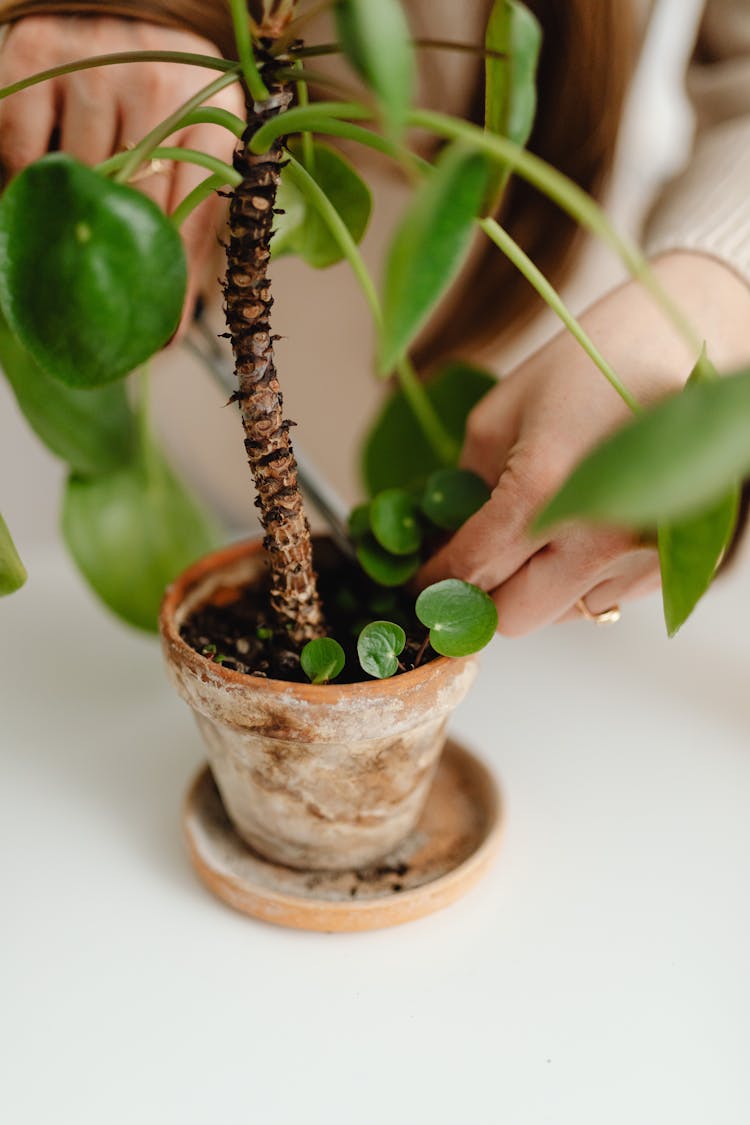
{"points": [[451, 496], [322, 660], [461, 618], [379, 646], [394, 517]]}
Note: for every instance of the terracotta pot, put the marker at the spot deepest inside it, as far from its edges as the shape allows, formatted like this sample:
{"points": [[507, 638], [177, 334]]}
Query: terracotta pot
{"points": [[318, 777]]}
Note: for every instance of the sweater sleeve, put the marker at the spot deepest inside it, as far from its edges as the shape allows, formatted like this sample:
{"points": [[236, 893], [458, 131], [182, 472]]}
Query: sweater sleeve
{"points": [[208, 18], [707, 207]]}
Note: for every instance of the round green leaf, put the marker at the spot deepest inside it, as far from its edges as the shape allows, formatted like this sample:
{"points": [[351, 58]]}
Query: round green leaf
{"points": [[131, 532], [92, 430], [384, 568], [12, 570], [322, 660], [452, 495], [395, 521], [379, 646], [359, 521], [461, 617], [396, 451], [301, 230], [92, 273]]}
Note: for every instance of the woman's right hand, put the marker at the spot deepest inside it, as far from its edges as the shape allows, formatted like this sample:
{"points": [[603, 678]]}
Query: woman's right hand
{"points": [[97, 113]]}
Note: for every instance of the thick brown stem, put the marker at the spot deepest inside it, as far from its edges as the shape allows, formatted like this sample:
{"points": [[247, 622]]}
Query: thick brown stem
{"points": [[247, 291]]}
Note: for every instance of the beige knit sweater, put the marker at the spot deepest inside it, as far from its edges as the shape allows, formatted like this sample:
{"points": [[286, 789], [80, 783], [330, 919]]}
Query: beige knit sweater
{"points": [[706, 209]]}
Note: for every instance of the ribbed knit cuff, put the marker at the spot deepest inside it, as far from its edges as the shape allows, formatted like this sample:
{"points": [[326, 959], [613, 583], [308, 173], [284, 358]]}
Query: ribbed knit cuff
{"points": [[707, 208]]}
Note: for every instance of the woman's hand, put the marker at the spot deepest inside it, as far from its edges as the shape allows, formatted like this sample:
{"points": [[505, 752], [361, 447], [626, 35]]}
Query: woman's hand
{"points": [[94, 114], [526, 436]]}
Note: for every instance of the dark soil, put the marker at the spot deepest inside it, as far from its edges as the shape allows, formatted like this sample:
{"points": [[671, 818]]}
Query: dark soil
{"points": [[235, 629]]}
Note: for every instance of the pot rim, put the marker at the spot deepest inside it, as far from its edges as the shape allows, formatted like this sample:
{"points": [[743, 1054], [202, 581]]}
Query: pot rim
{"points": [[179, 589]]}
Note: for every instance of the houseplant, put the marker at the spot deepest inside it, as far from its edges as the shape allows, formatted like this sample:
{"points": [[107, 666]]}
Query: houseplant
{"points": [[107, 228]]}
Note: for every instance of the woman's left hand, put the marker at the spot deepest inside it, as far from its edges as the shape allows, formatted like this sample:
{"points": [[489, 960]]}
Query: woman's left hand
{"points": [[526, 436]]}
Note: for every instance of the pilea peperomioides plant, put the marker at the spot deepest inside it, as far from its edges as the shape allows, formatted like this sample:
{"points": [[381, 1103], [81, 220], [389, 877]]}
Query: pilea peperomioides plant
{"points": [[111, 295]]}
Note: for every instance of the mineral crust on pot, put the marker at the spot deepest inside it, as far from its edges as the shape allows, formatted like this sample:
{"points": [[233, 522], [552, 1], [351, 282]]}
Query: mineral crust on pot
{"points": [[326, 777]]}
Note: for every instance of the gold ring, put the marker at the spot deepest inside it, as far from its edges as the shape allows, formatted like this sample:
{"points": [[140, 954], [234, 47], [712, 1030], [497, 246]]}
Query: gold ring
{"points": [[153, 168], [606, 617]]}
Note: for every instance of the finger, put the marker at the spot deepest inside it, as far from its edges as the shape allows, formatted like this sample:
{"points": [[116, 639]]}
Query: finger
{"points": [[491, 431], [154, 180], [89, 128], [495, 542], [546, 587], [27, 122], [615, 592]]}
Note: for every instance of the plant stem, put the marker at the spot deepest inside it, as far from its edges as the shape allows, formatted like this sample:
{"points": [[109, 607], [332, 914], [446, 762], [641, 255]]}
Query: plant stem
{"points": [[308, 150], [536, 278], [241, 22], [432, 427], [247, 293], [182, 155], [171, 124], [194, 198], [568, 195], [321, 49], [116, 59], [313, 192], [301, 118], [443, 445], [213, 115]]}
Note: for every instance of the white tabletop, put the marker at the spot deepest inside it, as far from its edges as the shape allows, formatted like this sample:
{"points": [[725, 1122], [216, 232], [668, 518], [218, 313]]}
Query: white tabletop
{"points": [[600, 975]]}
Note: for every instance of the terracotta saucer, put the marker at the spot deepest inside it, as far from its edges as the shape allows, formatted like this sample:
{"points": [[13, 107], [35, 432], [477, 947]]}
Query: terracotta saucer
{"points": [[451, 847]]}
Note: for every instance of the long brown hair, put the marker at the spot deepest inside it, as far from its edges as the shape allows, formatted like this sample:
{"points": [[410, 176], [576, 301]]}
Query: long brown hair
{"points": [[585, 66]]}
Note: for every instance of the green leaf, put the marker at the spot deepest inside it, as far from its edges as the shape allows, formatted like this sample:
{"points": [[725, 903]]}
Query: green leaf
{"points": [[429, 247], [395, 452], [301, 230], [395, 521], [461, 617], [92, 273], [510, 82], [131, 532], [376, 40], [384, 568], [690, 551], [451, 496], [379, 646], [12, 570], [359, 521], [670, 462], [322, 660], [92, 430]]}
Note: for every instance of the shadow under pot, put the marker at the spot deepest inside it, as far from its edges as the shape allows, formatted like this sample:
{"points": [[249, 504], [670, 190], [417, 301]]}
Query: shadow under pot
{"points": [[324, 777]]}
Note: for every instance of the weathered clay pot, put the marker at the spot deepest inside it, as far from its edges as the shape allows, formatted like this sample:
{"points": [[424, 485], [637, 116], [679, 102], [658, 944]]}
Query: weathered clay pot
{"points": [[326, 777]]}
